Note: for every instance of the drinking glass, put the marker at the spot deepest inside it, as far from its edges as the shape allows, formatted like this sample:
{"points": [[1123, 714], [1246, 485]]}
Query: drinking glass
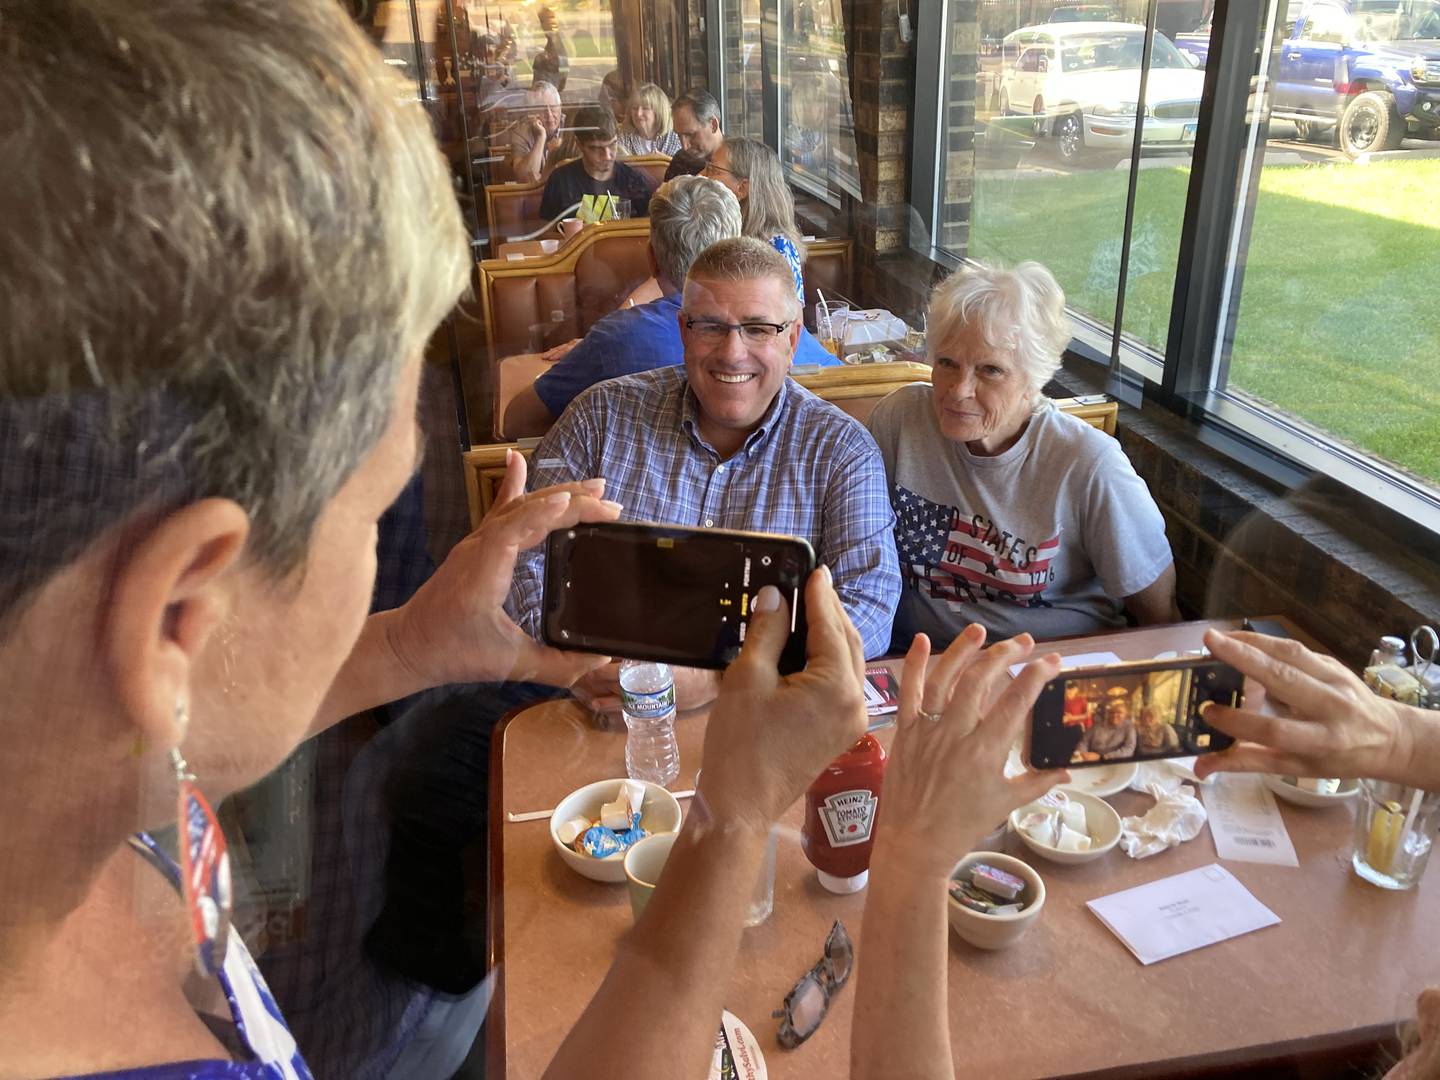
{"points": [[830, 327], [1387, 852], [762, 900]]}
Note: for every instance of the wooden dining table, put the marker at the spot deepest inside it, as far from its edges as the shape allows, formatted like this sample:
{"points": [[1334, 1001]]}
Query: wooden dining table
{"points": [[1332, 979]]}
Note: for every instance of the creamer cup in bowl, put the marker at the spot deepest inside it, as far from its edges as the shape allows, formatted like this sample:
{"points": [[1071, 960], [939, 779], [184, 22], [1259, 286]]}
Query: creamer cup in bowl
{"points": [[659, 813], [996, 931]]}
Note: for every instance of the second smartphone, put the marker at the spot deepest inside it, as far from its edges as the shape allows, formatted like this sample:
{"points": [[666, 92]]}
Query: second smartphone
{"points": [[1128, 712], [660, 592]]}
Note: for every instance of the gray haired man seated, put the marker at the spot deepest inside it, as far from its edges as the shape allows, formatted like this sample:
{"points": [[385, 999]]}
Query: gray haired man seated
{"points": [[687, 215]]}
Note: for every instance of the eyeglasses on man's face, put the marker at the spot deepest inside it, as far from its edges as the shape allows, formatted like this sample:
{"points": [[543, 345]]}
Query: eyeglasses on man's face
{"points": [[715, 332]]}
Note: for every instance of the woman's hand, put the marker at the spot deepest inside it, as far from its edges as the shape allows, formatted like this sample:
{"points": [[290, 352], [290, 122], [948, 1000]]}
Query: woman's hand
{"points": [[769, 735], [454, 629], [1324, 721], [945, 786]]}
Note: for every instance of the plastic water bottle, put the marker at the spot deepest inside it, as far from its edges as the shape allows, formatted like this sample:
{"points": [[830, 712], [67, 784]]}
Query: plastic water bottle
{"points": [[647, 699]]}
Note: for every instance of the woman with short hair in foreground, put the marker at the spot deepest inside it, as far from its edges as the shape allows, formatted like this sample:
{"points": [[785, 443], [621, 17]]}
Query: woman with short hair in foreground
{"points": [[231, 241]]}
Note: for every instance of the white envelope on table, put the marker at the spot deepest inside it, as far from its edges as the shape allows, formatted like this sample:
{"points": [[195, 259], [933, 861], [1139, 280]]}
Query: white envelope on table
{"points": [[1176, 914]]}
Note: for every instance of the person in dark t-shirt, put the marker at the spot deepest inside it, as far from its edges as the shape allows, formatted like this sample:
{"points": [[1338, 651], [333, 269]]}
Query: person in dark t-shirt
{"points": [[595, 171]]}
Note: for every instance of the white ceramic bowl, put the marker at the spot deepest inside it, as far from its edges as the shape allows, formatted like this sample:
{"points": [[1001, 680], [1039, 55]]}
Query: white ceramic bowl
{"points": [[997, 931], [1101, 822], [659, 813], [1285, 788]]}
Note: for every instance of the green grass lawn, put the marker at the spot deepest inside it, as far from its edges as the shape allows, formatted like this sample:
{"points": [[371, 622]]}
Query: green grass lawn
{"points": [[1339, 316]]}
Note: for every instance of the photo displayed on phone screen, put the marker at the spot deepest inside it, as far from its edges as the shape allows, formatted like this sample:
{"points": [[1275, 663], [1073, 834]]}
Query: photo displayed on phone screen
{"points": [[1099, 717]]}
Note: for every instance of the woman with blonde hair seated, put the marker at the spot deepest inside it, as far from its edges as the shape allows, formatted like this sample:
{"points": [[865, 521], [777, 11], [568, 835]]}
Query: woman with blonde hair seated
{"points": [[1010, 512], [647, 124], [751, 170]]}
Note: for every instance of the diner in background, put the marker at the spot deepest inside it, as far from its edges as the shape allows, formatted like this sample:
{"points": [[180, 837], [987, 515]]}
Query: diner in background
{"points": [[613, 96], [696, 120], [198, 435], [1009, 512], [647, 127], [687, 215], [596, 172], [536, 143], [729, 441], [752, 171]]}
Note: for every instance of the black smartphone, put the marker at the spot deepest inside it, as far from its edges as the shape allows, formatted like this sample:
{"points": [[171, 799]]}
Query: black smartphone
{"points": [[661, 592], [1129, 712]]}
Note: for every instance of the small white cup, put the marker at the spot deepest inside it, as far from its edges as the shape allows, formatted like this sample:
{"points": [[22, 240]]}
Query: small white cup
{"points": [[643, 865]]}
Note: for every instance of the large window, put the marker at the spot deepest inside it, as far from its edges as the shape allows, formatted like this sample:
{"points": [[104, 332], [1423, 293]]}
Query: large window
{"points": [[1309, 240], [786, 81]]}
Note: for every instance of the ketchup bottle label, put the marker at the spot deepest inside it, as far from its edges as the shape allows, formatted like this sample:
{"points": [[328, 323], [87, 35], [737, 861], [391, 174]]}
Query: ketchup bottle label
{"points": [[848, 817]]}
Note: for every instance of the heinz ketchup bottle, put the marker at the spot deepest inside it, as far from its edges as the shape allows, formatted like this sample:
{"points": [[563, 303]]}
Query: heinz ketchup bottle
{"points": [[840, 816]]}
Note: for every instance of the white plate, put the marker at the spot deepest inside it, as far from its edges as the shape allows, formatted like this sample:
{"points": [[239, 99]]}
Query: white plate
{"points": [[1284, 787], [1098, 781], [1103, 781]]}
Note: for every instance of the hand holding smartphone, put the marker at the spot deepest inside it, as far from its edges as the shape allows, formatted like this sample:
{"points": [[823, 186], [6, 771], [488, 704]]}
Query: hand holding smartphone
{"points": [[661, 592], [1128, 712]]}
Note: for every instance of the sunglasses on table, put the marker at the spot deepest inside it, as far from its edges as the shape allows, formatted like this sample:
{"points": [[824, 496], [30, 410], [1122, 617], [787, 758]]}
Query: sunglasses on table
{"points": [[806, 1004], [755, 333]]}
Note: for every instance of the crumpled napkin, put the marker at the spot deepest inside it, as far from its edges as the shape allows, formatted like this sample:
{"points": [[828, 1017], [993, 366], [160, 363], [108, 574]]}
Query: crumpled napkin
{"points": [[1177, 816]]}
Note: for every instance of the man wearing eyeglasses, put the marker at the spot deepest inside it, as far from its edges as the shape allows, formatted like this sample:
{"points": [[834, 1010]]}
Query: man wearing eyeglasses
{"points": [[728, 441], [687, 215]]}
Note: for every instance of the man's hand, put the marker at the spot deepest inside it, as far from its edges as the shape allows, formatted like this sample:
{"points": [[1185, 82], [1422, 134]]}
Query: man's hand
{"points": [[770, 736], [945, 786], [455, 628], [536, 129], [1326, 721], [559, 351]]}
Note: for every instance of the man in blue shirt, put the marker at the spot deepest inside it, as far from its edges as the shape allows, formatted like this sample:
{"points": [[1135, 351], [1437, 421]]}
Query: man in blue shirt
{"points": [[687, 215], [729, 441]]}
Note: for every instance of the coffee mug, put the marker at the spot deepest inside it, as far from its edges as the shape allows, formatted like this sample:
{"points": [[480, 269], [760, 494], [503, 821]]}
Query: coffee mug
{"points": [[570, 226], [643, 864]]}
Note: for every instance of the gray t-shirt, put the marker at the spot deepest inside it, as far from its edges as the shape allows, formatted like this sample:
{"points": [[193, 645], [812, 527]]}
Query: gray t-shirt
{"points": [[1049, 536]]}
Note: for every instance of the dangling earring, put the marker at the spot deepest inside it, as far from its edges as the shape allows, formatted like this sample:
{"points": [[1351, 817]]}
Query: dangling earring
{"points": [[204, 863]]}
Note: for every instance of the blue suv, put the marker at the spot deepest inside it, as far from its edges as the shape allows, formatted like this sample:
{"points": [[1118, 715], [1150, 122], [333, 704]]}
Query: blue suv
{"points": [[1368, 69]]}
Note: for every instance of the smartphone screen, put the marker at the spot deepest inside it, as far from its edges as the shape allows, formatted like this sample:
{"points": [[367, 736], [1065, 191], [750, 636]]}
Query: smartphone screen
{"points": [[659, 592], [1130, 712]]}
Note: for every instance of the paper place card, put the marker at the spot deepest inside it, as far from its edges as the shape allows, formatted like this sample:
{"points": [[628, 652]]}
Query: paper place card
{"points": [[1068, 663], [1245, 821], [1177, 914]]}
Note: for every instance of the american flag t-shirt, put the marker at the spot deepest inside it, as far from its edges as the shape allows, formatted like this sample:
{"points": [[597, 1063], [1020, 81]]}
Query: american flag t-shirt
{"points": [[949, 554]]}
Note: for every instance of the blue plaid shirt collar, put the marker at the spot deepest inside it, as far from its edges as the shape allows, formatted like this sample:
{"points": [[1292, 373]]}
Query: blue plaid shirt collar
{"points": [[772, 418]]}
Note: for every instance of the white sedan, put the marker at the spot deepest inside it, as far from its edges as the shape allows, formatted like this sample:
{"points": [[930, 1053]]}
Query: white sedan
{"points": [[1080, 82]]}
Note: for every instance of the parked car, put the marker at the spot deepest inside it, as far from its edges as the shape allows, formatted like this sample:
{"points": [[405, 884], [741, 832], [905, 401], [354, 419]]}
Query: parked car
{"points": [[1365, 70], [1067, 13], [1080, 84], [1195, 43]]}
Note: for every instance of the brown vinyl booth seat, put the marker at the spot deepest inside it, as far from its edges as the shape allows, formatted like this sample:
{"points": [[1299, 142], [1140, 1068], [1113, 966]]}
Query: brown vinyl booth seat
{"points": [[514, 209], [533, 304]]}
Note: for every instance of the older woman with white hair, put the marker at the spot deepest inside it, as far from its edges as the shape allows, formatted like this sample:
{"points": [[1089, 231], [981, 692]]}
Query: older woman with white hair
{"points": [[1011, 513]]}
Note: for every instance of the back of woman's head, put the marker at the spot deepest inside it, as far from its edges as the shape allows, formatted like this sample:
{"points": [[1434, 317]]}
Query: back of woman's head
{"points": [[769, 207], [229, 232], [657, 101]]}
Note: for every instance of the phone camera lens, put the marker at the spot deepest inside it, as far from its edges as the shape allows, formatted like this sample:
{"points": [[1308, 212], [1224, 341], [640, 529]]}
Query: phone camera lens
{"points": [[765, 560]]}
